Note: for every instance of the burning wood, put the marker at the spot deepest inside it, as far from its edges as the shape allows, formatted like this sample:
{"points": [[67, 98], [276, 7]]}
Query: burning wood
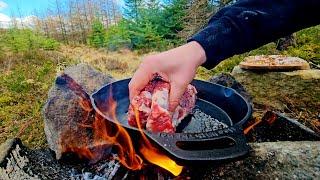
{"points": [[276, 127]]}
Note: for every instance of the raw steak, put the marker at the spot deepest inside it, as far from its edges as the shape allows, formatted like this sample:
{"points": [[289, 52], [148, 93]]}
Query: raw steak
{"points": [[153, 107]]}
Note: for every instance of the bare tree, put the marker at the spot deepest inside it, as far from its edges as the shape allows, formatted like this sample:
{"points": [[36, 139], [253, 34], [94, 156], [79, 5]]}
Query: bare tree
{"points": [[61, 21]]}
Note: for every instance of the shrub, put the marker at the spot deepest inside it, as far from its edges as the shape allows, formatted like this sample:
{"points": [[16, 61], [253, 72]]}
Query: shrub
{"points": [[22, 40]]}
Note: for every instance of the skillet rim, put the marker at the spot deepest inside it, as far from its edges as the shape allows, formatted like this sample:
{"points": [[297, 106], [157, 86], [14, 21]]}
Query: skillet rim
{"points": [[241, 122]]}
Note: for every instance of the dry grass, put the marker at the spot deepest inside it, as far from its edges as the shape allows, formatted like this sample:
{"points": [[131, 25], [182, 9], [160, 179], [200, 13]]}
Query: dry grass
{"points": [[119, 64]]}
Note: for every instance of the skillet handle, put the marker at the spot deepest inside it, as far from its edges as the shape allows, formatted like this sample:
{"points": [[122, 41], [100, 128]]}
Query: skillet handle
{"points": [[204, 146]]}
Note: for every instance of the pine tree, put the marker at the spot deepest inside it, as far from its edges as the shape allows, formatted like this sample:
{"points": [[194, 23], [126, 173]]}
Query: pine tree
{"points": [[173, 18], [97, 36], [132, 9]]}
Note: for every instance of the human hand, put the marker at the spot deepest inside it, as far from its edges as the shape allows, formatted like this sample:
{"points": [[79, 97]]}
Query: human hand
{"points": [[176, 66]]}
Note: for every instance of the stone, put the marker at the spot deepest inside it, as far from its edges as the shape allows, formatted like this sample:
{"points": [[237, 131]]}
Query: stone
{"points": [[267, 160], [295, 94], [68, 114], [228, 80], [285, 42], [305, 74], [273, 160]]}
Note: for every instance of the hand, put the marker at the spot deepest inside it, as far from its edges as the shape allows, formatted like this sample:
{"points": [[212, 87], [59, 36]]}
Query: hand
{"points": [[176, 66]]}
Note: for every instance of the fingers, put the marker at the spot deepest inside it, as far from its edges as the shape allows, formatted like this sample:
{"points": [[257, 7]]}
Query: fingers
{"points": [[176, 92], [139, 80]]}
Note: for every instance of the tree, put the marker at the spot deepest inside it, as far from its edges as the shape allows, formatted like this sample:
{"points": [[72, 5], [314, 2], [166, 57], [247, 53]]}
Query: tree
{"points": [[132, 9], [97, 36], [198, 14], [173, 18]]}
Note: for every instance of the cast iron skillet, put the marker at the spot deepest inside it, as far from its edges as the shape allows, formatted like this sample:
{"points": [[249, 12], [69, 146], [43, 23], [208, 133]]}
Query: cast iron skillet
{"points": [[198, 143]]}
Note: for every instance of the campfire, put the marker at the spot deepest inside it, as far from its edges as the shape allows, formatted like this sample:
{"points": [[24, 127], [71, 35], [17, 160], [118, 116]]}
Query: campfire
{"points": [[117, 136], [136, 153], [91, 147]]}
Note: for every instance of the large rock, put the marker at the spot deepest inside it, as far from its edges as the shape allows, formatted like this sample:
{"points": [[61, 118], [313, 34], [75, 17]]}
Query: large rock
{"points": [[296, 93], [273, 160], [228, 80], [269, 160], [68, 115]]}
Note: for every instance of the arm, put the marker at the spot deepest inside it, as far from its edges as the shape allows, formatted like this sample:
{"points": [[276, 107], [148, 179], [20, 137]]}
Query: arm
{"points": [[248, 24], [240, 27]]}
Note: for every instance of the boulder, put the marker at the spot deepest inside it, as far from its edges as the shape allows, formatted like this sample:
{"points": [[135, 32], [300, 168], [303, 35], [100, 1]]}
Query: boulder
{"points": [[268, 160], [273, 160], [68, 115], [228, 80]]}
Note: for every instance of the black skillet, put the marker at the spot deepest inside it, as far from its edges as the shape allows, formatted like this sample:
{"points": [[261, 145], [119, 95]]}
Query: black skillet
{"points": [[198, 144]]}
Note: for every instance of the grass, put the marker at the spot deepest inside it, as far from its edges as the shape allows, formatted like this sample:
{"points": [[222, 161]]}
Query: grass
{"points": [[25, 80], [119, 64], [26, 76]]}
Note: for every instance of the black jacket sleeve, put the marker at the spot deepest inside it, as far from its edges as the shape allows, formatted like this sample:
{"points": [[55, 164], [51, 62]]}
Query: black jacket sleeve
{"points": [[248, 24]]}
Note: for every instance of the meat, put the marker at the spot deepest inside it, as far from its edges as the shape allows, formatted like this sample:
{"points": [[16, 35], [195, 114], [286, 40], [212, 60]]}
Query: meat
{"points": [[153, 107]]}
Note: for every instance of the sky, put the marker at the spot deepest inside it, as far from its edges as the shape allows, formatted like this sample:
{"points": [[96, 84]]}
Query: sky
{"points": [[9, 8], [27, 7]]}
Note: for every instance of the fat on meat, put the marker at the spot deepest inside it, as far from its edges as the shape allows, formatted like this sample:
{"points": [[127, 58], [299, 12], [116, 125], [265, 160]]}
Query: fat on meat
{"points": [[153, 106]]}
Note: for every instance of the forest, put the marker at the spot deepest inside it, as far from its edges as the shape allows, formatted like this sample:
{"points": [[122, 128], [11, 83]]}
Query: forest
{"points": [[112, 37]]}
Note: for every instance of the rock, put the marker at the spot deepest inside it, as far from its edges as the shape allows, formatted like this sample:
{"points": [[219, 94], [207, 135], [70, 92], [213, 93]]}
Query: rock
{"points": [[285, 42], [237, 70], [268, 160], [296, 94], [229, 81], [273, 160], [305, 74], [68, 115]]}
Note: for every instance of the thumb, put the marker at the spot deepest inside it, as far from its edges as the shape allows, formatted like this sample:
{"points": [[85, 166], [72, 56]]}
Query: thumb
{"points": [[176, 92]]}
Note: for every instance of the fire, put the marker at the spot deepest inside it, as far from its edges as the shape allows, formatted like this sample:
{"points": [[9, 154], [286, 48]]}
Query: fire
{"points": [[269, 117], [153, 155], [248, 129], [105, 133], [119, 137], [122, 140]]}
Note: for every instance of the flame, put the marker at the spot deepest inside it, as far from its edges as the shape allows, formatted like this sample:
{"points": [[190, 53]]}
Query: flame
{"points": [[119, 137], [153, 155], [249, 128], [105, 134], [269, 117]]}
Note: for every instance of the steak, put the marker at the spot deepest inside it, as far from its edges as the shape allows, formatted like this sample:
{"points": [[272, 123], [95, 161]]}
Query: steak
{"points": [[153, 107]]}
